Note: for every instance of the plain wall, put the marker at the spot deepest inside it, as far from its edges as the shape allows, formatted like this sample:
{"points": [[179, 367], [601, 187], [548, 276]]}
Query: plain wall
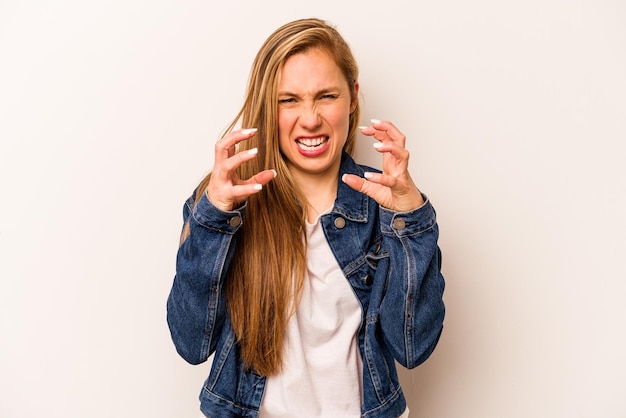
{"points": [[515, 117]]}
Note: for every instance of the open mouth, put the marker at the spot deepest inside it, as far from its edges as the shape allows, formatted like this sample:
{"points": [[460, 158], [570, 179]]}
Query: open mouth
{"points": [[311, 144]]}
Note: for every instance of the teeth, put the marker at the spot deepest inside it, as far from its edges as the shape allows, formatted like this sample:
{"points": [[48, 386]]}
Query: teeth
{"points": [[308, 143]]}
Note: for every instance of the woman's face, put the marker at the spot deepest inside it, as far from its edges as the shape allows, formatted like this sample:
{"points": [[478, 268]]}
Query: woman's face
{"points": [[314, 106]]}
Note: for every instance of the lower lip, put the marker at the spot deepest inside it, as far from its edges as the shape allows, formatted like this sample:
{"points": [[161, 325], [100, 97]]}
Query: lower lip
{"points": [[314, 152]]}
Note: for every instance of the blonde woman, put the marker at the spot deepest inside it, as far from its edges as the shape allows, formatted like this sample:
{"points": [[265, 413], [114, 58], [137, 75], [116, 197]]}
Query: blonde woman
{"points": [[306, 274]]}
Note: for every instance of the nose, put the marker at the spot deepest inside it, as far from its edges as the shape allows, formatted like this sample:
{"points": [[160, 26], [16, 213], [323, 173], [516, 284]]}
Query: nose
{"points": [[310, 118]]}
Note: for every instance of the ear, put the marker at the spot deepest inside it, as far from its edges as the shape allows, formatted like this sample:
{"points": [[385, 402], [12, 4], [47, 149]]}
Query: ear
{"points": [[355, 96]]}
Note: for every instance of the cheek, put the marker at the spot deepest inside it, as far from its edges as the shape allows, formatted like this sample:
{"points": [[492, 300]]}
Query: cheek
{"points": [[339, 117], [285, 121]]}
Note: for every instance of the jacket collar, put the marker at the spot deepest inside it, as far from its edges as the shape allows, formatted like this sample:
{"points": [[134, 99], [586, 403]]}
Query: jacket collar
{"points": [[350, 203]]}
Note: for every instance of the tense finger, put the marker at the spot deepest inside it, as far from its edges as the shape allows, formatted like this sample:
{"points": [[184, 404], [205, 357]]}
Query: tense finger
{"points": [[399, 153], [225, 147], [225, 169], [384, 131]]}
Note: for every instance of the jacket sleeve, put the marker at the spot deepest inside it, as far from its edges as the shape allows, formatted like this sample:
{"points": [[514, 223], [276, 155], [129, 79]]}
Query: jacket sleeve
{"points": [[196, 306], [412, 308]]}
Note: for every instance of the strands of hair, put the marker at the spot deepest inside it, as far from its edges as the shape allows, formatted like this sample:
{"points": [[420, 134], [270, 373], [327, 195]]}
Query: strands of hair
{"points": [[265, 278]]}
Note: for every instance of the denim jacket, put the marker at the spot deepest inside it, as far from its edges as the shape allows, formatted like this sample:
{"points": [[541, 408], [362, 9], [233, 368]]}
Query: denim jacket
{"points": [[391, 260]]}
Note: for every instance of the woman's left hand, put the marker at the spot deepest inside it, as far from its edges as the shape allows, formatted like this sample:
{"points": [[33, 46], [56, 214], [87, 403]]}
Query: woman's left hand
{"points": [[393, 188]]}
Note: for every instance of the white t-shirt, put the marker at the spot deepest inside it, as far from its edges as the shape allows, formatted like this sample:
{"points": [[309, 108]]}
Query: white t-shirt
{"points": [[322, 375]]}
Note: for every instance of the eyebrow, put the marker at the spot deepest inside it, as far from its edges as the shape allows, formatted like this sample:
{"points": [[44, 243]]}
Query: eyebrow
{"points": [[317, 93]]}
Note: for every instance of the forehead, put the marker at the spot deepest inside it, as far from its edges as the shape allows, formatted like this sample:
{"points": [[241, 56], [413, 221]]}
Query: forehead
{"points": [[311, 70]]}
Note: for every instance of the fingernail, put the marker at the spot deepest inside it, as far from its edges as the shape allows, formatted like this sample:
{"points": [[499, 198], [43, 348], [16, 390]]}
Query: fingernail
{"points": [[375, 121], [275, 173], [377, 145], [368, 175], [363, 127], [248, 131], [258, 187], [253, 151]]}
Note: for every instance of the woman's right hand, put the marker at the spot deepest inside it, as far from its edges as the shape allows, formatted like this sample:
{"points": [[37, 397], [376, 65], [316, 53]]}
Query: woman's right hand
{"points": [[225, 189]]}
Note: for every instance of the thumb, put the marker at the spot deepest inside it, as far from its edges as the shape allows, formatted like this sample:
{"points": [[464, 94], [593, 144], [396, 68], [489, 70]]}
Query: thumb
{"points": [[353, 181]]}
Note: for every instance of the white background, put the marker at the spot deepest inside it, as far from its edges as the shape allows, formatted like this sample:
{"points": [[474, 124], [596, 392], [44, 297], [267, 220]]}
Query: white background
{"points": [[515, 115]]}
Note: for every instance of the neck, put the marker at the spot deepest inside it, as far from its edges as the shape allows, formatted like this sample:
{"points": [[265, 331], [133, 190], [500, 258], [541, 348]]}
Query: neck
{"points": [[319, 191]]}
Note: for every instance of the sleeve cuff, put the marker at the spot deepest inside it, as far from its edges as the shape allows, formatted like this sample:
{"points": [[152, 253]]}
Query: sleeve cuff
{"points": [[412, 222], [208, 215]]}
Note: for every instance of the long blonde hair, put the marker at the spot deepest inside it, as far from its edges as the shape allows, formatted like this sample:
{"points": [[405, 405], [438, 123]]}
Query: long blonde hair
{"points": [[265, 278]]}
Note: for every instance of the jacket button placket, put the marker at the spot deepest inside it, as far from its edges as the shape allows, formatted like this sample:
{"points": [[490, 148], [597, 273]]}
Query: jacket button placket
{"points": [[399, 224], [235, 221], [340, 223]]}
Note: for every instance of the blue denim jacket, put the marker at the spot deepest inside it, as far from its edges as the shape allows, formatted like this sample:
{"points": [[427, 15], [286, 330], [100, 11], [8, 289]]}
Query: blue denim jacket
{"points": [[391, 260]]}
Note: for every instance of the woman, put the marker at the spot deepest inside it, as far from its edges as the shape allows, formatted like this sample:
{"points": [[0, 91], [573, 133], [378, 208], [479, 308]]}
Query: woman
{"points": [[308, 275]]}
